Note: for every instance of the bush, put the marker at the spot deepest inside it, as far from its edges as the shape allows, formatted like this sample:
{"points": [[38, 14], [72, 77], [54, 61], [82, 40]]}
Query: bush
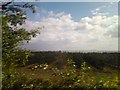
{"points": [[68, 77]]}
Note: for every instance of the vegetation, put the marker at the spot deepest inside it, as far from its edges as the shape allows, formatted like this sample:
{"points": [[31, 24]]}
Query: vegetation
{"points": [[47, 76], [49, 70], [58, 58], [12, 37]]}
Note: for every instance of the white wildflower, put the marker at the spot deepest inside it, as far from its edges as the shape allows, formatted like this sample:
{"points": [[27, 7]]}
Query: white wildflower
{"points": [[45, 68], [100, 81], [74, 65], [40, 65], [68, 73], [89, 67], [70, 86], [36, 66], [31, 85]]}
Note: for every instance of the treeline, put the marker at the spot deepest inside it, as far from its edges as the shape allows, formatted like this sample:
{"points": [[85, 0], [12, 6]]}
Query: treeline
{"points": [[59, 59]]}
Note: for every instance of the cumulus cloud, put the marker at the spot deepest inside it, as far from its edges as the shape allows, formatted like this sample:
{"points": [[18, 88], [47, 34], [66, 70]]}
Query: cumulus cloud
{"points": [[61, 32]]}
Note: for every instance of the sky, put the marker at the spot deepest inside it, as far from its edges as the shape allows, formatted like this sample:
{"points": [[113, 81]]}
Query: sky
{"points": [[73, 26]]}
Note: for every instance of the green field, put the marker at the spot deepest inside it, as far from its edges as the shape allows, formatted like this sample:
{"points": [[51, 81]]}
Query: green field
{"points": [[61, 70]]}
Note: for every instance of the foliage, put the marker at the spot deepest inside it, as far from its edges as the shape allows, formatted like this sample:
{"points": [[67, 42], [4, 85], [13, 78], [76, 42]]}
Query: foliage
{"points": [[12, 79], [12, 38], [69, 77], [59, 59]]}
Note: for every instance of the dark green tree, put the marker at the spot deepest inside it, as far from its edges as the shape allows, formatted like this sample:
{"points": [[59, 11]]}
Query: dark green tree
{"points": [[12, 36], [14, 15]]}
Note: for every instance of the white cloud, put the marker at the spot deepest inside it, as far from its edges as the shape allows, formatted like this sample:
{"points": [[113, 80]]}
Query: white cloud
{"points": [[61, 32], [98, 12], [107, 9]]}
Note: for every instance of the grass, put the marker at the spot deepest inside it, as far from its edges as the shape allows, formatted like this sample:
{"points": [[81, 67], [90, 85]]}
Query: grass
{"points": [[45, 74]]}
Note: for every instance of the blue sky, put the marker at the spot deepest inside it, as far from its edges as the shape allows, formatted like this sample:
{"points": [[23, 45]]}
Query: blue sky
{"points": [[74, 26], [76, 9]]}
